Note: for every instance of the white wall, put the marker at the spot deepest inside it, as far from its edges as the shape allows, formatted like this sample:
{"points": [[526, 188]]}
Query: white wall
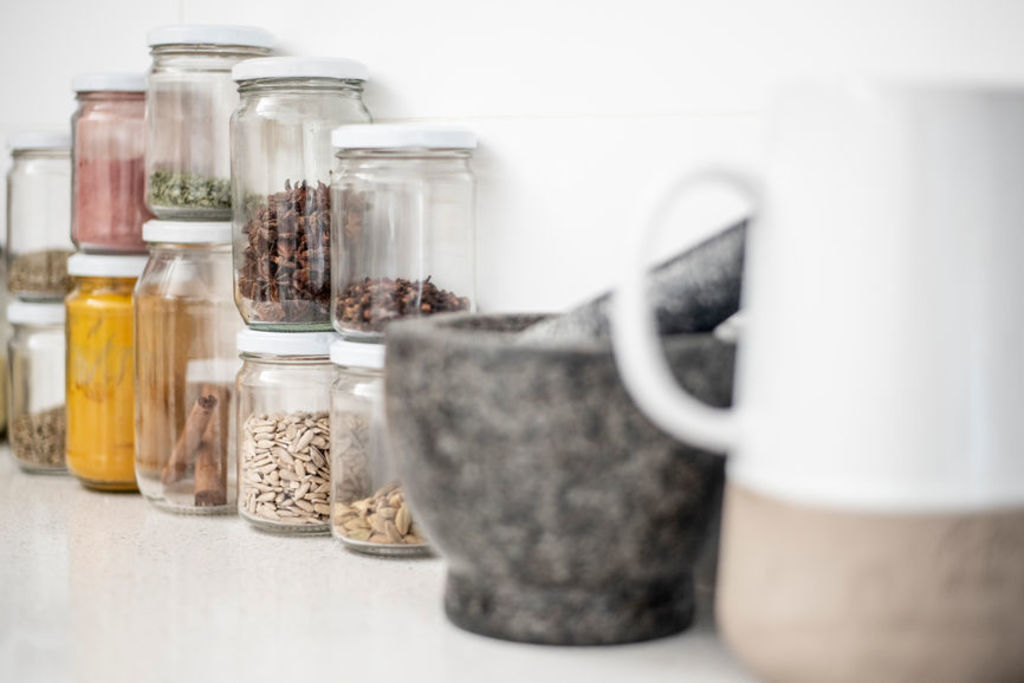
{"points": [[583, 107]]}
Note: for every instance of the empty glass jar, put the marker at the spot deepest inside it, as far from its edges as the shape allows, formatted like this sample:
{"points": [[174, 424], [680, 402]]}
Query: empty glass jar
{"points": [[36, 353], [368, 508], [109, 176], [281, 163], [101, 370], [186, 362], [39, 215], [188, 108], [402, 225], [284, 395]]}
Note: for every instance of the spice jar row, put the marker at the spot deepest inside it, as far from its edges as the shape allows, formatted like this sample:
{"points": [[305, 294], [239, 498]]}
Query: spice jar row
{"points": [[312, 448], [399, 212], [312, 445]]}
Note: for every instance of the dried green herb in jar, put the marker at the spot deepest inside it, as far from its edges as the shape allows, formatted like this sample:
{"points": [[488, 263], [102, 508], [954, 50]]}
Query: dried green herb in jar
{"points": [[188, 190]]}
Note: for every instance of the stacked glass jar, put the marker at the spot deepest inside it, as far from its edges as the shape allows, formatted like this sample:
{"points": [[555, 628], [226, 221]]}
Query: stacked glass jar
{"points": [[36, 353], [404, 247], [38, 243], [281, 163], [101, 369], [185, 327], [188, 107], [184, 317], [107, 212]]}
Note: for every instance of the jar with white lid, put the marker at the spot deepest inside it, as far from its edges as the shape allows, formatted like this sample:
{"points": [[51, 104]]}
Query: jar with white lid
{"points": [[39, 214], [284, 396], [36, 372], [100, 370], [185, 333], [108, 151], [281, 169], [402, 225], [189, 102], [369, 512]]}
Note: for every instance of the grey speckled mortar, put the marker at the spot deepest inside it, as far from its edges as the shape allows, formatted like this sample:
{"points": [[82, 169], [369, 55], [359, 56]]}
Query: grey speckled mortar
{"points": [[565, 516]]}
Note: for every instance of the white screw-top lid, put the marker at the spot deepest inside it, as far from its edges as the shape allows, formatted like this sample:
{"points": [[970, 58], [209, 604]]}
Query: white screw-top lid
{"points": [[210, 34], [105, 265], [357, 354], [286, 343], [109, 81], [39, 139], [187, 232], [300, 67], [23, 312], [402, 136]]}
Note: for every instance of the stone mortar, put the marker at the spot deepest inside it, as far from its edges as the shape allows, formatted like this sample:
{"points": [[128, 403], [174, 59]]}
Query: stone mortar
{"points": [[566, 517]]}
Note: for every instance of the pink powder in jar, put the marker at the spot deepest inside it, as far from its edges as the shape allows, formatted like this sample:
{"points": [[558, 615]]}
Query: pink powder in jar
{"points": [[109, 164], [110, 204]]}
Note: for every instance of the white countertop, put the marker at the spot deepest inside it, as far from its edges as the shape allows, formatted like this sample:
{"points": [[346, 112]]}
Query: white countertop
{"points": [[104, 587]]}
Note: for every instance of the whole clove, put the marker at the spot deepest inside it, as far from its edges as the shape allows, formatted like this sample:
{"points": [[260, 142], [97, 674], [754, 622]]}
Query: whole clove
{"points": [[285, 274], [373, 302]]}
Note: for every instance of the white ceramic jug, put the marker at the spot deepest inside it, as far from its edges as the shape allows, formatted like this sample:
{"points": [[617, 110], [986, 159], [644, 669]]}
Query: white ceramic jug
{"points": [[874, 520]]}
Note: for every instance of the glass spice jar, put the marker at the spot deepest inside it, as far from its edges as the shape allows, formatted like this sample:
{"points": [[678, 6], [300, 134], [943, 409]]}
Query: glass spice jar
{"points": [[101, 370], [281, 163], [402, 225], [369, 512], [185, 367], [36, 358], [109, 177], [284, 394], [39, 215], [5, 338], [189, 102]]}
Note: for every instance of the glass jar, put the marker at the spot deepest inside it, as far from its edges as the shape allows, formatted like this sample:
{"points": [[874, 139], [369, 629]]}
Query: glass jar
{"points": [[368, 509], [101, 370], [185, 367], [109, 176], [5, 337], [36, 353], [403, 225], [39, 215], [281, 163], [284, 395], [188, 107]]}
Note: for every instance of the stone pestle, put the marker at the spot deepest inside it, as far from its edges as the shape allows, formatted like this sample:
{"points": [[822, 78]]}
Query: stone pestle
{"points": [[692, 292]]}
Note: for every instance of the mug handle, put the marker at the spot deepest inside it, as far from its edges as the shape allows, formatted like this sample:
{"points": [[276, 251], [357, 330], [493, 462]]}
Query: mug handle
{"points": [[636, 345]]}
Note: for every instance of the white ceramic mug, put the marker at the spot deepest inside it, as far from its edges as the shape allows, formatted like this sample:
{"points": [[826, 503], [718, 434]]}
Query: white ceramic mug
{"points": [[880, 373]]}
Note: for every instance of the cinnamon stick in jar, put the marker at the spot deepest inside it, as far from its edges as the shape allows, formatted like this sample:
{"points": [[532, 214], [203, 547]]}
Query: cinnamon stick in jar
{"points": [[191, 434], [211, 474]]}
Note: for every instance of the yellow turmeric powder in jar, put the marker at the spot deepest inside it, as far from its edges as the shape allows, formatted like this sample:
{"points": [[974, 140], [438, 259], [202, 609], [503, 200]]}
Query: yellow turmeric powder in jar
{"points": [[101, 371]]}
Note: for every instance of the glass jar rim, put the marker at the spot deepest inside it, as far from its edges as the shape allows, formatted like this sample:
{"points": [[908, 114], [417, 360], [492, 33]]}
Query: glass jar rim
{"points": [[273, 68], [212, 35]]}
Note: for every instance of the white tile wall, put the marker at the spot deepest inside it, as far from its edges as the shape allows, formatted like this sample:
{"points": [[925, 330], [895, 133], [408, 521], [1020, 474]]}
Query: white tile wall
{"points": [[583, 106]]}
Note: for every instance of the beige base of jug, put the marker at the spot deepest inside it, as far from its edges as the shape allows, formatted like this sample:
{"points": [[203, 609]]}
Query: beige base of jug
{"points": [[822, 596]]}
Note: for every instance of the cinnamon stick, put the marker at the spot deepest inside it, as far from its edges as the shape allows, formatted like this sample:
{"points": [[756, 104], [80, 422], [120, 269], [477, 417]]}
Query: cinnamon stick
{"points": [[211, 476], [191, 434]]}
